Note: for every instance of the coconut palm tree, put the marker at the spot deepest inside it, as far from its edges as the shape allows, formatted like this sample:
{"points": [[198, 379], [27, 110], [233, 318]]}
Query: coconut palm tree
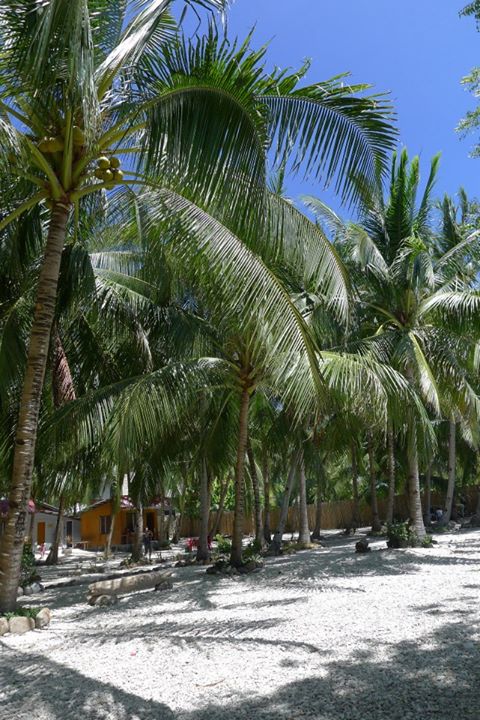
{"points": [[415, 310], [85, 85]]}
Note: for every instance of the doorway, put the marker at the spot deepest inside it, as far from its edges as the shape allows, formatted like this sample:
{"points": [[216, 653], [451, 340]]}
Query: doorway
{"points": [[40, 533]]}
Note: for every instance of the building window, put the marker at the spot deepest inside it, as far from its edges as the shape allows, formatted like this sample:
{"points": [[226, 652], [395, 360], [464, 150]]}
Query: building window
{"points": [[105, 524]]}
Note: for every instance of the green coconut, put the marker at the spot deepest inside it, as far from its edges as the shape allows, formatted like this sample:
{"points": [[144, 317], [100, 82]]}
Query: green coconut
{"points": [[118, 176], [103, 162], [99, 173], [56, 144], [78, 136], [108, 175], [45, 145], [114, 162]]}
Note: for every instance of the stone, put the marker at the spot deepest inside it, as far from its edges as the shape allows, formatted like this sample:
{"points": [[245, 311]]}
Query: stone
{"points": [[19, 625], [105, 600], [36, 587], [167, 585], [3, 626], [20, 592], [249, 567], [362, 546], [27, 590], [43, 618]]}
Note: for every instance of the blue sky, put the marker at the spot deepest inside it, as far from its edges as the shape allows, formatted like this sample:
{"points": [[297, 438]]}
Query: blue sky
{"points": [[417, 49]]}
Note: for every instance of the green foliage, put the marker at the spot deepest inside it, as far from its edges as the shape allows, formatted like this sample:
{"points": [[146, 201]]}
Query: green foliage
{"points": [[252, 551], [30, 612], [224, 546], [28, 570], [400, 534]]}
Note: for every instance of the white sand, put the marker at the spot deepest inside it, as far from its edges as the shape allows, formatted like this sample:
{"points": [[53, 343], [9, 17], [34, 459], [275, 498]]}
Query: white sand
{"points": [[324, 634]]}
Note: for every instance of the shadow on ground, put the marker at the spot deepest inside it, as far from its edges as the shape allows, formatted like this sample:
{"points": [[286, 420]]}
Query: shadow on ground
{"points": [[436, 677]]}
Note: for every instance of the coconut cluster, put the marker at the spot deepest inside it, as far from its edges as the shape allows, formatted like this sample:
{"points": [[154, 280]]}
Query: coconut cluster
{"points": [[57, 143], [108, 170]]}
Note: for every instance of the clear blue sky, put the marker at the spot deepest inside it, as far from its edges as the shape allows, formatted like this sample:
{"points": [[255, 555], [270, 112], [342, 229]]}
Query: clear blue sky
{"points": [[417, 49]]}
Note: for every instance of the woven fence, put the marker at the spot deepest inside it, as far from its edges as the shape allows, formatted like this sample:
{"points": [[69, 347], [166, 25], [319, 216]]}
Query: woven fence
{"points": [[335, 515]]}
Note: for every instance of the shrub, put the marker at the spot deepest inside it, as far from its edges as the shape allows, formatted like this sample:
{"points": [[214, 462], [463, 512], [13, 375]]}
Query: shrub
{"points": [[28, 573], [252, 551], [224, 546], [401, 535], [23, 612]]}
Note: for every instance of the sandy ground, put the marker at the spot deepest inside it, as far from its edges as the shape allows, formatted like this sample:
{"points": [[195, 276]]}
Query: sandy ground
{"points": [[324, 634]]}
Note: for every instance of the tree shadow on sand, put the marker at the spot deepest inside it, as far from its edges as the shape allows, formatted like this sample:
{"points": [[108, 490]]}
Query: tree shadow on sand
{"points": [[434, 677]]}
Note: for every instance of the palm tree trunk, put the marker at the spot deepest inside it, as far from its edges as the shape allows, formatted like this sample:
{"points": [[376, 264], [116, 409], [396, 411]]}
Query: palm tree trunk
{"points": [[256, 496], [414, 500], [376, 525], [161, 523], [29, 408], [304, 529], [52, 557], [356, 503], [167, 526], [391, 474], [138, 535], [108, 547], [221, 506], [317, 531], [203, 553], [452, 461], [277, 538], [63, 392], [428, 495], [176, 528], [239, 511], [267, 533]]}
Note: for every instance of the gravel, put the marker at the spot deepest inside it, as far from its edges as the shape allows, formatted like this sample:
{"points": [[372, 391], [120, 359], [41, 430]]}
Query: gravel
{"points": [[324, 634]]}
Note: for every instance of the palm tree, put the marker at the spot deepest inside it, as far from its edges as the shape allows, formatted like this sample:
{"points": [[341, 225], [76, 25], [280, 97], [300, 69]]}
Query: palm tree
{"points": [[199, 134], [415, 310]]}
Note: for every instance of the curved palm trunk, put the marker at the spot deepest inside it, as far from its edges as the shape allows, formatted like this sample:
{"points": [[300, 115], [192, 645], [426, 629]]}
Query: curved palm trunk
{"points": [[356, 502], [52, 557], [221, 507], [26, 430], [376, 524], [63, 392], [452, 461], [277, 538], [267, 533], [239, 511], [203, 553], [256, 496], [138, 535], [304, 531]]}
